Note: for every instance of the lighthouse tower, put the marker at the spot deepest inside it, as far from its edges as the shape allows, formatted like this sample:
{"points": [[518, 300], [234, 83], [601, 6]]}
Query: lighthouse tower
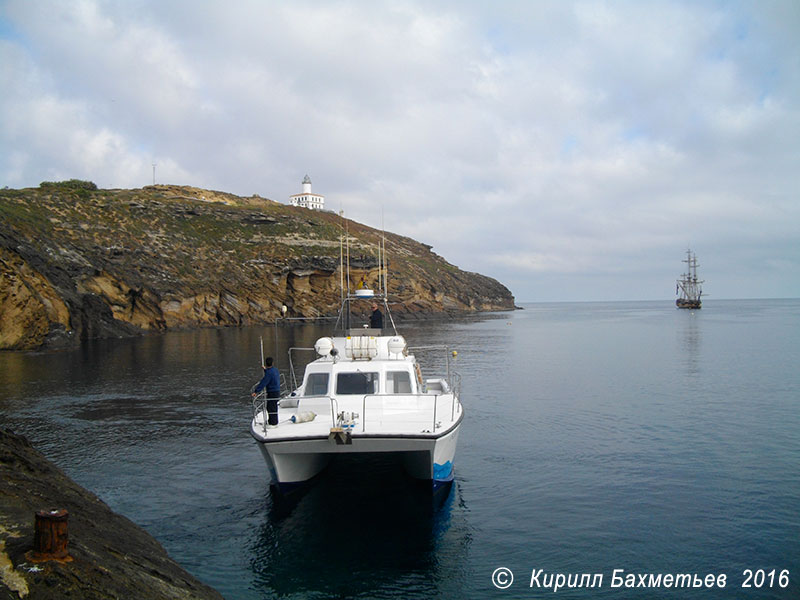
{"points": [[306, 198]]}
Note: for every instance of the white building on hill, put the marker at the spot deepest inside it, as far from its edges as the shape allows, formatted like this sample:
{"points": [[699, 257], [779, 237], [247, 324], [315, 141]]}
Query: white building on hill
{"points": [[306, 199]]}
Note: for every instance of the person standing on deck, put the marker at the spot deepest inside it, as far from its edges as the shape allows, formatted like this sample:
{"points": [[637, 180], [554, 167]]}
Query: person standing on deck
{"points": [[376, 319], [272, 382]]}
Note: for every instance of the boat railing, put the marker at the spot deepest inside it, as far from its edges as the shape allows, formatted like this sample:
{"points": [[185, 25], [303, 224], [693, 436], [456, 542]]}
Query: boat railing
{"points": [[455, 385], [260, 406], [291, 364], [431, 415], [452, 381], [427, 415], [260, 399], [434, 414], [332, 402], [448, 355]]}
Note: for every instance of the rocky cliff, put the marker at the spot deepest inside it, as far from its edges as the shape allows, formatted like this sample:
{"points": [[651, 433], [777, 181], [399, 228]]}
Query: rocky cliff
{"points": [[77, 263], [110, 557]]}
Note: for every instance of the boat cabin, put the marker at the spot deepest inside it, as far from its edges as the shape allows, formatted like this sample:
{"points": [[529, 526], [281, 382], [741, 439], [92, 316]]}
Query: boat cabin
{"points": [[361, 364]]}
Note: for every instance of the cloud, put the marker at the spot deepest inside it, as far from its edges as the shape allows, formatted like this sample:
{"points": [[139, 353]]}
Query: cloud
{"points": [[578, 140]]}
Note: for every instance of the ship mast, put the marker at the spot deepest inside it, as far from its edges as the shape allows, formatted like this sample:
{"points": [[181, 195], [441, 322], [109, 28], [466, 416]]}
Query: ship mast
{"points": [[689, 284]]}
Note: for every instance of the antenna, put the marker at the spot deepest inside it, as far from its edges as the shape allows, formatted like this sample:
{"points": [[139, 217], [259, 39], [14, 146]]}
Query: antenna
{"points": [[341, 255], [347, 247], [385, 271], [380, 268], [154, 173], [382, 260]]}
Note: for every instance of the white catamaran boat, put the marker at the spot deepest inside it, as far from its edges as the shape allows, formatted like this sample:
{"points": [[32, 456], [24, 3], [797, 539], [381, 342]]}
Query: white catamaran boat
{"points": [[363, 394], [688, 286]]}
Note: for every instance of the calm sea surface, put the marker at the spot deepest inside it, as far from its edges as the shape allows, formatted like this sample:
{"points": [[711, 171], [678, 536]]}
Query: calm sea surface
{"points": [[598, 436]]}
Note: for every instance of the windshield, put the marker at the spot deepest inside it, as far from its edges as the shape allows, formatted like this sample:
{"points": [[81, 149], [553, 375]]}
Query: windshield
{"points": [[357, 383]]}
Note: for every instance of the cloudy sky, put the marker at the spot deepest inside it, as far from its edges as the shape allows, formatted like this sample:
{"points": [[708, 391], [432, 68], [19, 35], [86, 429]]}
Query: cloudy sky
{"points": [[572, 150]]}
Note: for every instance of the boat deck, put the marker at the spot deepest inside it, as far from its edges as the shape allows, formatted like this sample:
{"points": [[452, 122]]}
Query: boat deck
{"points": [[387, 415]]}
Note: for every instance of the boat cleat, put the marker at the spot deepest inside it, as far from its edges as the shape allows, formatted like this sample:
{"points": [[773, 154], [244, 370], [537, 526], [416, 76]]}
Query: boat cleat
{"points": [[341, 436]]}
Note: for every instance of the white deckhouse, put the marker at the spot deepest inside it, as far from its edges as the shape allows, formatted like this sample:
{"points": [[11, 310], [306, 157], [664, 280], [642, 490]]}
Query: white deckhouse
{"points": [[306, 199]]}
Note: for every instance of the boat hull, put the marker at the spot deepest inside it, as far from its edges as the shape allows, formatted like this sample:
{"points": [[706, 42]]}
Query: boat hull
{"points": [[683, 303], [294, 462]]}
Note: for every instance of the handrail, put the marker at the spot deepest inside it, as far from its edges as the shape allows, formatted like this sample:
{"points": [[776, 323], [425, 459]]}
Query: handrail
{"points": [[260, 406], [444, 347], [283, 319], [455, 382], [334, 403], [456, 394], [291, 365], [333, 411], [260, 400], [434, 397], [431, 347]]}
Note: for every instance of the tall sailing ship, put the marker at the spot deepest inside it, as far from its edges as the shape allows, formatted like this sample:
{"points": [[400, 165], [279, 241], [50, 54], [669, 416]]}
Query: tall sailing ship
{"points": [[688, 286]]}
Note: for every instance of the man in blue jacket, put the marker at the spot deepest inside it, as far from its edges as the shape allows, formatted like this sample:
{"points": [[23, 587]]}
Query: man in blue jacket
{"points": [[272, 382]]}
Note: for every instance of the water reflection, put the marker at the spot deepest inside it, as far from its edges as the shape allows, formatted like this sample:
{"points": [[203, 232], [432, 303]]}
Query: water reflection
{"points": [[364, 527], [690, 340]]}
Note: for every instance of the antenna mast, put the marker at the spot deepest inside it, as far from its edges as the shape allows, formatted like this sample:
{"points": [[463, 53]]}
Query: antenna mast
{"points": [[347, 247], [384, 272], [341, 256]]}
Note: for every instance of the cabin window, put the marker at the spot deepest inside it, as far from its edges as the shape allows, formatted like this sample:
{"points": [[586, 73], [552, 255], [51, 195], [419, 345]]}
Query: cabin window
{"points": [[316, 384], [357, 383], [398, 382]]}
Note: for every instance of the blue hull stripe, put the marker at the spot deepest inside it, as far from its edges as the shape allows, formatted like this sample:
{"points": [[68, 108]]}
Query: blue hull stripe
{"points": [[443, 476], [443, 472]]}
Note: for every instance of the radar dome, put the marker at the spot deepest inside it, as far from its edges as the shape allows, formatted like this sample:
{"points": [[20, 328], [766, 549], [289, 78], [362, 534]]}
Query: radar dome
{"points": [[323, 346], [396, 345]]}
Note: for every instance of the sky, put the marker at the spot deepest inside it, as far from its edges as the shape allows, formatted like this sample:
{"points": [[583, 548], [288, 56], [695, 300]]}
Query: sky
{"points": [[572, 150]]}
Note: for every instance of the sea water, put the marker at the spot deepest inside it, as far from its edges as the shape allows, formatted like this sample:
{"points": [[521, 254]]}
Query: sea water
{"points": [[626, 442]]}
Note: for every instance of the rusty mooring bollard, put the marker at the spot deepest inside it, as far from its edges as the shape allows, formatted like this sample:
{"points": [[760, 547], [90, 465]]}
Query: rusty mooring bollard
{"points": [[50, 536]]}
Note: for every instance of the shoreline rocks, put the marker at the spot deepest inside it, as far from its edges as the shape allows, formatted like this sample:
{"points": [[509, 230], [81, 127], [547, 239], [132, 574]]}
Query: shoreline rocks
{"points": [[111, 557]]}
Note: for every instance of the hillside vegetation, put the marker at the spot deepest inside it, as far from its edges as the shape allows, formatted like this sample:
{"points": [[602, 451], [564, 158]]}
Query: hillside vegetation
{"points": [[78, 262]]}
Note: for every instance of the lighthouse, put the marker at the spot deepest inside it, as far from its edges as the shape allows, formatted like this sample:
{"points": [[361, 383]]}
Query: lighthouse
{"points": [[306, 198]]}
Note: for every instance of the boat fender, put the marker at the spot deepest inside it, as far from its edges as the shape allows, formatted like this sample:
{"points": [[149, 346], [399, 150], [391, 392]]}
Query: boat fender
{"points": [[303, 417]]}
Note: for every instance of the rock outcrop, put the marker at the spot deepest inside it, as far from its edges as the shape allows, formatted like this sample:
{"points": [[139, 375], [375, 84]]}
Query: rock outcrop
{"points": [[111, 557], [79, 263]]}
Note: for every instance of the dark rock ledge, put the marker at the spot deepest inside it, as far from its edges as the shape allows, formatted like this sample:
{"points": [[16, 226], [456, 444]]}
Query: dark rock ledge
{"points": [[111, 556]]}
